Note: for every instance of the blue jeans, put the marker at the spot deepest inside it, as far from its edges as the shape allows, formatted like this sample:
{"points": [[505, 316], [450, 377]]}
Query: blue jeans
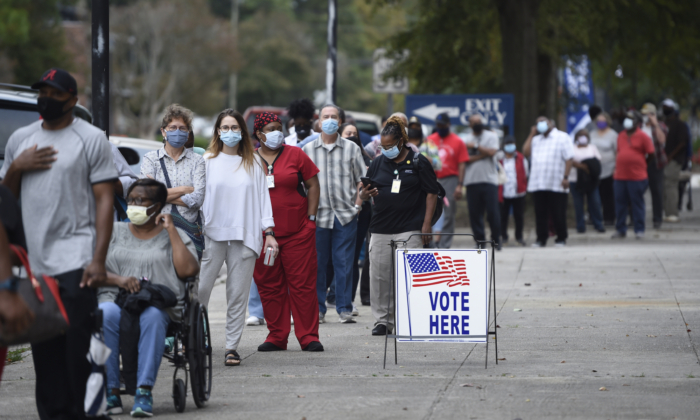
{"points": [[154, 324], [594, 209], [630, 194], [255, 307], [340, 242]]}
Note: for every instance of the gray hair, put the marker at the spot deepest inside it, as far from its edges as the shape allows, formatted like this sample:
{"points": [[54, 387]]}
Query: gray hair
{"points": [[341, 113], [400, 115]]}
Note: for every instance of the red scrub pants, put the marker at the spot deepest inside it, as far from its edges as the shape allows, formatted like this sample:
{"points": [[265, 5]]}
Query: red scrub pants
{"points": [[291, 281]]}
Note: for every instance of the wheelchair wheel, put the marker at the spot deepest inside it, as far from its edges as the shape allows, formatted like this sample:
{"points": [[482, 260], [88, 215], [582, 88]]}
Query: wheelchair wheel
{"points": [[200, 355], [179, 395]]}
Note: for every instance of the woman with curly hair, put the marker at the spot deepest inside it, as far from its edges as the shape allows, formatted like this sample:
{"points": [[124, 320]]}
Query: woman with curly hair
{"points": [[404, 188]]}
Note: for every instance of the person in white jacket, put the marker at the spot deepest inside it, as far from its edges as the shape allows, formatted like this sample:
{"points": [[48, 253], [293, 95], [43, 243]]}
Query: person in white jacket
{"points": [[237, 210]]}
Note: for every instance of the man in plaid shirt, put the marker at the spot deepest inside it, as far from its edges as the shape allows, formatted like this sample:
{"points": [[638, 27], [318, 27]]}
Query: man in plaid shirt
{"points": [[551, 155]]}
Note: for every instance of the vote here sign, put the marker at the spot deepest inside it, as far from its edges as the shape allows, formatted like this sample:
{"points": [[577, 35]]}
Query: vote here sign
{"points": [[442, 295]]}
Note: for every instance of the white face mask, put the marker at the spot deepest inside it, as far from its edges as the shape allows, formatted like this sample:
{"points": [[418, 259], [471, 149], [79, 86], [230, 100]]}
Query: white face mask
{"points": [[582, 140], [138, 215], [628, 124], [274, 139]]}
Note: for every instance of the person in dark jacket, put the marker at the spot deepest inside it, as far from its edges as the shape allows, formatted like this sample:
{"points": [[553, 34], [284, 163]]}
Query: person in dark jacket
{"points": [[676, 152], [149, 246], [511, 195], [584, 181]]}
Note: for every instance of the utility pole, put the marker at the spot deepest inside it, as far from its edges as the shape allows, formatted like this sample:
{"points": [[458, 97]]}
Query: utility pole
{"points": [[332, 60], [233, 77], [100, 64]]}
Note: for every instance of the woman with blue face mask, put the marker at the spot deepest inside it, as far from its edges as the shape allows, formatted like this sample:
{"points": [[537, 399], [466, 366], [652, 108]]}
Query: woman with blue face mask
{"points": [[238, 221], [404, 188], [182, 172]]}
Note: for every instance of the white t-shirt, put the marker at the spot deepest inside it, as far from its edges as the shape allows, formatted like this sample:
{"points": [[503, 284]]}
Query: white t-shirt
{"points": [[237, 203], [607, 146], [581, 154], [548, 158]]}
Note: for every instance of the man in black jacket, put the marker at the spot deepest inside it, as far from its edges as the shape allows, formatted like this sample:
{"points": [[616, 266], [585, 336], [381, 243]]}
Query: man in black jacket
{"points": [[676, 151]]}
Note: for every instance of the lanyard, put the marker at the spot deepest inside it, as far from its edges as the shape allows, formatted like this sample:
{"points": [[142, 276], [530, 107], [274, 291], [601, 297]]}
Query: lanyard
{"points": [[269, 166]]}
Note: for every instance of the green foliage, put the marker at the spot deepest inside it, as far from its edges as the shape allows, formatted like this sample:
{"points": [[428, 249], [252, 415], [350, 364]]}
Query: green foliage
{"points": [[15, 355]]}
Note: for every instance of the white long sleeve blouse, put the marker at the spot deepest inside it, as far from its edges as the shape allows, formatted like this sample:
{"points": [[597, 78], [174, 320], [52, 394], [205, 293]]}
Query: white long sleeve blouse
{"points": [[237, 203]]}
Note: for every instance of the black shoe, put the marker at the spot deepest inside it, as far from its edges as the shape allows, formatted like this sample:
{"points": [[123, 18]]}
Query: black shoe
{"points": [[366, 303], [381, 329], [267, 346], [330, 302], [657, 225], [601, 230], [314, 346]]}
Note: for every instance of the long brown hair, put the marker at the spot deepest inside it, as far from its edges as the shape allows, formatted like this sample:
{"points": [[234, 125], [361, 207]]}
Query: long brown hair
{"points": [[245, 146]]}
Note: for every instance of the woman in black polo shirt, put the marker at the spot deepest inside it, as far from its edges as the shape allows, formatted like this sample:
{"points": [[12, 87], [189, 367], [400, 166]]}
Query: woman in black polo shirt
{"points": [[404, 191]]}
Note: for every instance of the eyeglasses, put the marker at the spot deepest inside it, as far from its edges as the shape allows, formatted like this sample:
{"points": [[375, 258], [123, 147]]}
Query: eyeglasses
{"points": [[137, 201], [226, 128], [172, 128], [392, 146]]}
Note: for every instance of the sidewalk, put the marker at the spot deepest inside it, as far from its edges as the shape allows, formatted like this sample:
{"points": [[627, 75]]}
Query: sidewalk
{"points": [[621, 315]]}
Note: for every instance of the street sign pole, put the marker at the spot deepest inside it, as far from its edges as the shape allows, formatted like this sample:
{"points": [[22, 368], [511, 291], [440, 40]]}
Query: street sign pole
{"points": [[389, 104], [100, 64], [332, 60]]}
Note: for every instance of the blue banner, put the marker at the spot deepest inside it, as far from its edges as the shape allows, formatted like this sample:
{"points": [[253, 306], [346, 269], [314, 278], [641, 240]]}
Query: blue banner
{"points": [[496, 109], [578, 90]]}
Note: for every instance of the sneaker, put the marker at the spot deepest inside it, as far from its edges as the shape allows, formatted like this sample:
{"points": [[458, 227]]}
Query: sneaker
{"points": [[537, 245], [321, 318], [355, 312], [346, 318], [560, 244], [521, 243], [143, 403], [639, 235], [618, 235], [254, 320], [169, 344], [671, 219], [114, 404]]}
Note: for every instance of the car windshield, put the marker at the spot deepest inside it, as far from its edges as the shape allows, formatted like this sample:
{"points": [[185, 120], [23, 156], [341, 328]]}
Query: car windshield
{"points": [[10, 120]]}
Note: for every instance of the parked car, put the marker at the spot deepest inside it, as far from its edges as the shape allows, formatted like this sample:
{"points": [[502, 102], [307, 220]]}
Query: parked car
{"points": [[369, 123], [134, 149], [18, 108]]}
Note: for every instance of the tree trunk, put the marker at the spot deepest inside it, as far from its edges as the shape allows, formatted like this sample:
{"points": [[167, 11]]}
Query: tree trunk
{"points": [[547, 86], [519, 52]]}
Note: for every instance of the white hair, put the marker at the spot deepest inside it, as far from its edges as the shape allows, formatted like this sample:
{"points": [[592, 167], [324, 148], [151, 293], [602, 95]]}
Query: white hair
{"points": [[400, 115]]}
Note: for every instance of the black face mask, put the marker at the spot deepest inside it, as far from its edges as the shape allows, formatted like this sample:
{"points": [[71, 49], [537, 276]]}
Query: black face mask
{"points": [[478, 128], [355, 140], [668, 111], [51, 109], [415, 133], [302, 131]]}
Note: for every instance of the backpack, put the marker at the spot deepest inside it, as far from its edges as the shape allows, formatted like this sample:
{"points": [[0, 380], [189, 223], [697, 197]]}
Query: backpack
{"points": [[440, 197]]}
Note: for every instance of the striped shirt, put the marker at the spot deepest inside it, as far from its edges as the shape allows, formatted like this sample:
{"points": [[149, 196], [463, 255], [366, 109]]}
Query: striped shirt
{"points": [[548, 161], [341, 166]]}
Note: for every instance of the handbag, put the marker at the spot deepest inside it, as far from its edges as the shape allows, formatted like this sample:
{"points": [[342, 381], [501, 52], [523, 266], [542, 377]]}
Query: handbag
{"points": [[193, 230], [43, 298]]}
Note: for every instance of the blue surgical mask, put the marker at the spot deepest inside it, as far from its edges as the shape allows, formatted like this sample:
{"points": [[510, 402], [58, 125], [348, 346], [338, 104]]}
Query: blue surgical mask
{"points": [[509, 148], [230, 138], [274, 139], [330, 126], [391, 153], [177, 138], [542, 127]]}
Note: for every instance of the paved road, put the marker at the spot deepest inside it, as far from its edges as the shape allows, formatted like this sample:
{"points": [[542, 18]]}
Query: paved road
{"points": [[620, 315]]}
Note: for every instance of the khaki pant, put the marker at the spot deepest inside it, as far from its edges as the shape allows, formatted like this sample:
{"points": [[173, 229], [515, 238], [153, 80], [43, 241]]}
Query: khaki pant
{"points": [[380, 282], [672, 173]]}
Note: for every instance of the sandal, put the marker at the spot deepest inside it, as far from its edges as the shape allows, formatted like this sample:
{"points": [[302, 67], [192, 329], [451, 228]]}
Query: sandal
{"points": [[232, 358]]}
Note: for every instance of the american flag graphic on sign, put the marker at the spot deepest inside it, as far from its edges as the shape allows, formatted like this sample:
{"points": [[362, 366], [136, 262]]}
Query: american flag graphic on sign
{"points": [[428, 269]]}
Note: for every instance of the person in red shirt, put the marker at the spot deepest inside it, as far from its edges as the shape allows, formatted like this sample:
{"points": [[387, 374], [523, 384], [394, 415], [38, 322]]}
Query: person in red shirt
{"points": [[290, 283], [633, 149], [454, 156]]}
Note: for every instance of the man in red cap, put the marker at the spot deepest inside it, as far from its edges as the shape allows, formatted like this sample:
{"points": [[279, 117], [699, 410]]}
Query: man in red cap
{"points": [[64, 169]]}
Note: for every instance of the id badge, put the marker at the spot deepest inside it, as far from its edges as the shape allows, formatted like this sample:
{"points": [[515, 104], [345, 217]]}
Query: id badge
{"points": [[270, 181], [396, 186]]}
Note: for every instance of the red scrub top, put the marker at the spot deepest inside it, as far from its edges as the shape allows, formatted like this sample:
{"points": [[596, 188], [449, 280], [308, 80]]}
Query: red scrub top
{"points": [[289, 202]]}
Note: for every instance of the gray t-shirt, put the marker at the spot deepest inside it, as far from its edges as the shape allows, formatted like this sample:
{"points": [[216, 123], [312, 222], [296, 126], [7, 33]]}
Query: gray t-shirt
{"points": [[130, 256], [484, 170], [58, 205], [607, 146]]}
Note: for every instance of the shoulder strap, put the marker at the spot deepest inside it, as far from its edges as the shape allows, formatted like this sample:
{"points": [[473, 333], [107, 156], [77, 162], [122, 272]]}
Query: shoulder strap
{"points": [[415, 160], [165, 172]]}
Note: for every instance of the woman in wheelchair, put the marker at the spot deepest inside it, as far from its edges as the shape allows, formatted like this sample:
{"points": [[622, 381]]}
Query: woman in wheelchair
{"points": [[149, 246]]}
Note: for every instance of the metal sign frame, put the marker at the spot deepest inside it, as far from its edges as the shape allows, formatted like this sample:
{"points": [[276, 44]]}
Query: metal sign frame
{"points": [[491, 299]]}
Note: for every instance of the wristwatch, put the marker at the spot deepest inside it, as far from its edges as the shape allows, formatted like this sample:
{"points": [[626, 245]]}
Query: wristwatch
{"points": [[357, 207], [312, 217], [11, 284], [270, 233]]}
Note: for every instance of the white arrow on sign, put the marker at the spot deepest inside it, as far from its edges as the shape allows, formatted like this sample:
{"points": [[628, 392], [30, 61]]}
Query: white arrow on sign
{"points": [[432, 111]]}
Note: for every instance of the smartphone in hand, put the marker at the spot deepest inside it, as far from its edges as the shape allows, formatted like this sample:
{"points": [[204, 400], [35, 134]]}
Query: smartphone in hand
{"points": [[366, 181]]}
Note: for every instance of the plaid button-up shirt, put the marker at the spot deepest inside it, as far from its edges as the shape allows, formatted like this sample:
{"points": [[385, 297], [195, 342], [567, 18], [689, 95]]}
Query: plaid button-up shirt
{"points": [[341, 166], [548, 161]]}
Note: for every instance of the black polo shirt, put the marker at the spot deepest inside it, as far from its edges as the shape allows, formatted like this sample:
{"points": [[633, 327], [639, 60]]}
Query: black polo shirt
{"points": [[404, 211]]}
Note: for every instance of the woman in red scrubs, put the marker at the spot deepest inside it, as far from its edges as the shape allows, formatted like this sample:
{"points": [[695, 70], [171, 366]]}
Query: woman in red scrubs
{"points": [[290, 283]]}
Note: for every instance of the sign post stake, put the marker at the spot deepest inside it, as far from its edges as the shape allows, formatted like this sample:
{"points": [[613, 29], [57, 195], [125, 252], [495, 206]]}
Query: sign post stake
{"points": [[491, 299]]}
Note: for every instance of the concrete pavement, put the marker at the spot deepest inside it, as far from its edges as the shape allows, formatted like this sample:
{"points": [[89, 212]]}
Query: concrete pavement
{"points": [[623, 316]]}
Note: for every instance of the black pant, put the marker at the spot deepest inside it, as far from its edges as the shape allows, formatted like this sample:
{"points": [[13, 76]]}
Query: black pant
{"points": [[363, 221], [607, 200], [518, 206], [61, 366], [364, 281], [550, 204], [483, 197], [656, 187]]}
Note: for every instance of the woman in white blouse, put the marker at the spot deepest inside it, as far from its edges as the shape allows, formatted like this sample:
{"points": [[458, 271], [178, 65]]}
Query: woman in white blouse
{"points": [[237, 210]]}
